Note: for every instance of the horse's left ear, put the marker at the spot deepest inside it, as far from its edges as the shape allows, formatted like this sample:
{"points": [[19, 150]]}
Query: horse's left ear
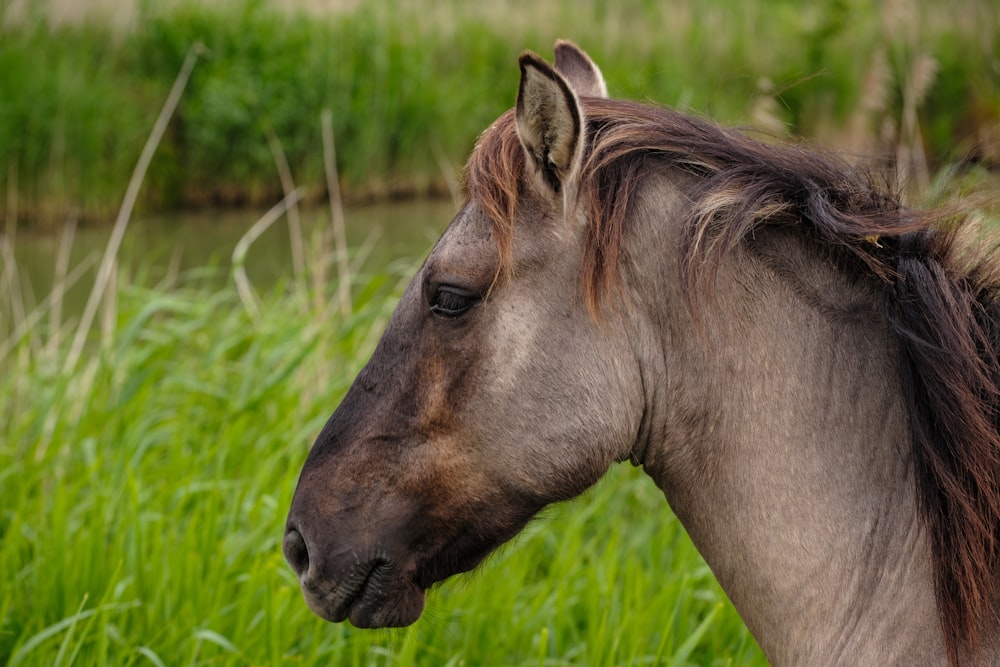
{"points": [[583, 75], [549, 122]]}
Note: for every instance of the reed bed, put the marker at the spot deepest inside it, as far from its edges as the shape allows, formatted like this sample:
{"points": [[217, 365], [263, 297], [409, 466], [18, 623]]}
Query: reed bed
{"points": [[409, 86]]}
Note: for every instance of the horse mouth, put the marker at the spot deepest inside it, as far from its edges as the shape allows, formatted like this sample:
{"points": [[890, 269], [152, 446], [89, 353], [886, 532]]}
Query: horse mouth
{"points": [[372, 595]]}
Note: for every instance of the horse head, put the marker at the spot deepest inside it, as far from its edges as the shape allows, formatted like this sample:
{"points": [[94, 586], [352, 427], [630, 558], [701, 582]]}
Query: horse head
{"points": [[493, 392]]}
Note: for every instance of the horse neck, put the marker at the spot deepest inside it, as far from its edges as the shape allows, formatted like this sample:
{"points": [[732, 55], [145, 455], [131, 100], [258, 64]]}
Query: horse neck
{"points": [[778, 432]]}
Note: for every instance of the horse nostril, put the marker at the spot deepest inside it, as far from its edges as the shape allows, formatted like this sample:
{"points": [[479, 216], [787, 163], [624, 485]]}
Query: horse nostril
{"points": [[296, 552]]}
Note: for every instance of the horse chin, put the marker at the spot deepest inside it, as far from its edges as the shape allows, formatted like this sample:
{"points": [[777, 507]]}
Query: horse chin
{"points": [[389, 613], [377, 597]]}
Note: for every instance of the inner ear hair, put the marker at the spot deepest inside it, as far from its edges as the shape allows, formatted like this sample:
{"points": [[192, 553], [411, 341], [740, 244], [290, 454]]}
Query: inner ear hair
{"points": [[549, 121]]}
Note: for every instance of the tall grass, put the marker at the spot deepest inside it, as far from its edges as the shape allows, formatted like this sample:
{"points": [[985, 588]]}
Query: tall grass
{"points": [[144, 495], [410, 85]]}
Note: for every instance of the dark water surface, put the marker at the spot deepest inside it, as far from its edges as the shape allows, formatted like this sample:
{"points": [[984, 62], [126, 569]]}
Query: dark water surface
{"points": [[177, 244]]}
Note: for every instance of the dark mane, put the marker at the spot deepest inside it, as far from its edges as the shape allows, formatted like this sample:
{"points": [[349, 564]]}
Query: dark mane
{"points": [[942, 303]]}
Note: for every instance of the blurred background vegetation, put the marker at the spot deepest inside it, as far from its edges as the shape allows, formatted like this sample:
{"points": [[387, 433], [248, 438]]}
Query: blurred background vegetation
{"points": [[410, 85]]}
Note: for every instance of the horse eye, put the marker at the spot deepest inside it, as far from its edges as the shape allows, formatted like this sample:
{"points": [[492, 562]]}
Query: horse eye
{"points": [[452, 301]]}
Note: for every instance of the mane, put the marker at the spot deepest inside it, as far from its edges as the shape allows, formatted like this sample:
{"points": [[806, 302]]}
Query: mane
{"points": [[940, 301]]}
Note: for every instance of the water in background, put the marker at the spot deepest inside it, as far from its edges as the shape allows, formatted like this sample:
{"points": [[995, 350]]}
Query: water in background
{"points": [[176, 245]]}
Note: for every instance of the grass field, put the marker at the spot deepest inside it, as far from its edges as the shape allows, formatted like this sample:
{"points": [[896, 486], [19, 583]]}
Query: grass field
{"points": [[410, 85], [145, 485]]}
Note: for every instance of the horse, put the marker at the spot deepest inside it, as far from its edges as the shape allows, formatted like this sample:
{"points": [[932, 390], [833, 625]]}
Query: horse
{"points": [[806, 368]]}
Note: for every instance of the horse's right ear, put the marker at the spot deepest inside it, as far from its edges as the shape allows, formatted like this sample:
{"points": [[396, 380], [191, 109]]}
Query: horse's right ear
{"points": [[549, 122]]}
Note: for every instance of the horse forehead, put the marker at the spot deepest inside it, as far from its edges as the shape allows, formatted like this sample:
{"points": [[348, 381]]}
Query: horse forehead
{"points": [[470, 231], [471, 225]]}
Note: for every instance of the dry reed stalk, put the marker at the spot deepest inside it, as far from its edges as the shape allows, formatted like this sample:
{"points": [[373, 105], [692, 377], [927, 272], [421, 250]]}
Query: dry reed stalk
{"points": [[357, 262], [877, 84], [365, 250], [12, 282], [173, 271], [765, 112], [336, 213], [58, 278], [128, 204], [910, 156], [11, 222], [866, 127], [110, 309], [243, 286], [287, 187], [35, 316], [448, 173], [321, 257], [80, 387]]}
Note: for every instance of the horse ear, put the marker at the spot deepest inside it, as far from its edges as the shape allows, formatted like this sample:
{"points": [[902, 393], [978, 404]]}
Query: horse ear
{"points": [[549, 122], [583, 75]]}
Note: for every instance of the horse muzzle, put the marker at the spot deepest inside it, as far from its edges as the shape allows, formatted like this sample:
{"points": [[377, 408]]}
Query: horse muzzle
{"points": [[362, 586]]}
